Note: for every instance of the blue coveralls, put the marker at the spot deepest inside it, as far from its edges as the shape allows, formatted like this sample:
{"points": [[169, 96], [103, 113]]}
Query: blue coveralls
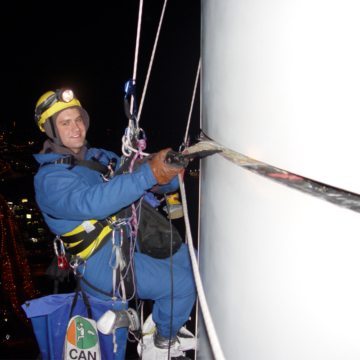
{"points": [[68, 196]]}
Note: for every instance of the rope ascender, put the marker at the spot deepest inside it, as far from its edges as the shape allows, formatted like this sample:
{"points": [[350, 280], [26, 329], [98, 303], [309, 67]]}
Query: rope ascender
{"points": [[134, 138]]}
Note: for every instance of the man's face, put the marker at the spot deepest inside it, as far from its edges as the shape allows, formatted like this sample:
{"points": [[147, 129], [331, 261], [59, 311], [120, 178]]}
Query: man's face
{"points": [[71, 129]]}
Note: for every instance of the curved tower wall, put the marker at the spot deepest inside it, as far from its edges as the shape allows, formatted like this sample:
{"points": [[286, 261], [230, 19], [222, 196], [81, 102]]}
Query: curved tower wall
{"points": [[280, 268]]}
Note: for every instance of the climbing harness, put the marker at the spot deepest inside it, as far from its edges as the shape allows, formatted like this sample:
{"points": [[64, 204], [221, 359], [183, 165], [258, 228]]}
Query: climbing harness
{"points": [[86, 238]]}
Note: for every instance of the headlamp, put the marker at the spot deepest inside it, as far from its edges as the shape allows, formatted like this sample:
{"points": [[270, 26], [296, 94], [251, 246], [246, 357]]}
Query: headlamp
{"points": [[64, 95]]}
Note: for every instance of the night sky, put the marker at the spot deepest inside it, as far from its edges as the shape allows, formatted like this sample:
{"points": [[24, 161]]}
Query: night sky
{"points": [[91, 50]]}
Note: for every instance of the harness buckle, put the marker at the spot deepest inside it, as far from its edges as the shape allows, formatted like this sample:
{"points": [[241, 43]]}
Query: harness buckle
{"points": [[111, 170], [75, 262], [117, 223]]}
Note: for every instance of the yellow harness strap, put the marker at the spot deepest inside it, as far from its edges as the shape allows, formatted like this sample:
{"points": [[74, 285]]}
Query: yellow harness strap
{"points": [[86, 237]]}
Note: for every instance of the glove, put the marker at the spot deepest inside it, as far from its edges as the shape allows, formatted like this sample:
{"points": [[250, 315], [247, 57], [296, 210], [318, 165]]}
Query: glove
{"points": [[162, 171]]}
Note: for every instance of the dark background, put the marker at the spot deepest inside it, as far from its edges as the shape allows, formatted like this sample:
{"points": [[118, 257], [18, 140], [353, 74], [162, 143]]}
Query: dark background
{"points": [[90, 48]]}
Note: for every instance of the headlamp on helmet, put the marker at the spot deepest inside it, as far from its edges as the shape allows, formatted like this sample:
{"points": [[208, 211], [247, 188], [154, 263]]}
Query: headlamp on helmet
{"points": [[51, 103]]}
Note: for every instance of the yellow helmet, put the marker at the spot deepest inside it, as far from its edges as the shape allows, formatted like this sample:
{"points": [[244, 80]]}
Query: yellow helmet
{"points": [[52, 102]]}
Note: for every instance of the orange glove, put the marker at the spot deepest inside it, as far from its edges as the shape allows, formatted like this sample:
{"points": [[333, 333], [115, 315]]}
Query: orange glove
{"points": [[162, 171]]}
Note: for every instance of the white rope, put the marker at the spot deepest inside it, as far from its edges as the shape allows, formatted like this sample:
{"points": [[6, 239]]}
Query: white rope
{"points": [[137, 43], [192, 103], [213, 338], [214, 341], [127, 148], [151, 61]]}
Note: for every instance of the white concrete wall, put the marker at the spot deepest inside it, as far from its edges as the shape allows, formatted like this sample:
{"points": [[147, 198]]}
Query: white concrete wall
{"points": [[281, 269]]}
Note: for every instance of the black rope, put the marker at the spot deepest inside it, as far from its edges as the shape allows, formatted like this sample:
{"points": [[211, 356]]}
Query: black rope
{"points": [[96, 288], [84, 297]]}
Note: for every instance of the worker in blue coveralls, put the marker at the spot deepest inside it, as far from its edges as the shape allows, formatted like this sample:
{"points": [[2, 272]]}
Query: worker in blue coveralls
{"points": [[88, 198]]}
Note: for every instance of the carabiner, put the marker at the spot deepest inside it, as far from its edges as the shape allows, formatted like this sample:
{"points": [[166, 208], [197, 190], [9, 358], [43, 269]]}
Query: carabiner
{"points": [[59, 249], [75, 262], [130, 92]]}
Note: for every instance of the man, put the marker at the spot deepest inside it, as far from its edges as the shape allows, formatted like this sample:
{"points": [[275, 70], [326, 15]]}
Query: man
{"points": [[96, 213]]}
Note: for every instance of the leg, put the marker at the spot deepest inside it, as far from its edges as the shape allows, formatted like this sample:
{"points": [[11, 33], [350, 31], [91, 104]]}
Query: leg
{"points": [[154, 279]]}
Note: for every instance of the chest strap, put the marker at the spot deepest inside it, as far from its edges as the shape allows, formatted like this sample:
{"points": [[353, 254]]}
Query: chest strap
{"points": [[72, 161]]}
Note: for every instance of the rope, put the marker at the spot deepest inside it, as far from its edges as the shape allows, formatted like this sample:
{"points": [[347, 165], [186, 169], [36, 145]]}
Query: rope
{"points": [[213, 338], [334, 195], [214, 341], [127, 147], [192, 105], [138, 30], [134, 218], [151, 61], [209, 324]]}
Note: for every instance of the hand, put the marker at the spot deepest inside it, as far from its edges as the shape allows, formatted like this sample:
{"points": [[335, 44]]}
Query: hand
{"points": [[162, 171]]}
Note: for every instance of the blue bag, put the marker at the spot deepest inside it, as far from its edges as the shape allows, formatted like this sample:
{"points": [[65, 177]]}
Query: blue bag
{"points": [[50, 316]]}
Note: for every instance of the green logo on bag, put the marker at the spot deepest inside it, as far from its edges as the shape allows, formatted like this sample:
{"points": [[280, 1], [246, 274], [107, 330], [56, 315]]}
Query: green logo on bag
{"points": [[81, 333]]}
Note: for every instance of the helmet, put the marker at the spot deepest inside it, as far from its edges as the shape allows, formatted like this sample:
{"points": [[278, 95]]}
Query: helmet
{"points": [[52, 102]]}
